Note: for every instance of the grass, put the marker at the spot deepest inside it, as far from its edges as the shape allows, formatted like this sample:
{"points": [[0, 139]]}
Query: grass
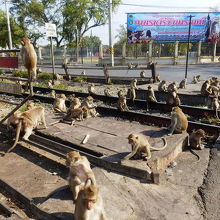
{"points": [[80, 79], [20, 73], [2, 71]]}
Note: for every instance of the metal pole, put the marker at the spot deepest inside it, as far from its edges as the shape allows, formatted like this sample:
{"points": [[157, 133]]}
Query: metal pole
{"points": [[8, 23], [110, 32], [91, 47], [187, 52], [52, 58]]}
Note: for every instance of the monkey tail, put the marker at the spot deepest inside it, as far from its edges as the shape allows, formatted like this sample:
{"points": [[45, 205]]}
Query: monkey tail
{"points": [[216, 113], [18, 130], [194, 153], [162, 148]]}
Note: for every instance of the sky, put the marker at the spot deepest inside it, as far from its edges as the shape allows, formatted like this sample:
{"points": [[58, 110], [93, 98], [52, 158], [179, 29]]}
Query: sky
{"points": [[119, 17]]}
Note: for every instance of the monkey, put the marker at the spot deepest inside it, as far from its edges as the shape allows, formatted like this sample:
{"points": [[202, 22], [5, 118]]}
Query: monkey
{"points": [[120, 93], [91, 89], [29, 58], [107, 92], [162, 87], [122, 103], [134, 83], [157, 77], [13, 120], [80, 172], [132, 93], [89, 205], [196, 79], [205, 89], [214, 81], [83, 73], [75, 103], [177, 101], [77, 113], [214, 90], [59, 103], [49, 84], [27, 121], [130, 66], [150, 94], [215, 106], [58, 77], [39, 70], [30, 105], [179, 122], [53, 94], [141, 147], [142, 74], [182, 84], [171, 97], [106, 74], [172, 86], [195, 139], [88, 102]]}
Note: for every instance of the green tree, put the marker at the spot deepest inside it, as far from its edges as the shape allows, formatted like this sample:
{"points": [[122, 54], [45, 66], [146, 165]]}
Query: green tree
{"points": [[91, 41], [73, 18], [16, 31]]}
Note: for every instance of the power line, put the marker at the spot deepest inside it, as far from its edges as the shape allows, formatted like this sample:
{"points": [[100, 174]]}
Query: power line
{"points": [[160, 6]]}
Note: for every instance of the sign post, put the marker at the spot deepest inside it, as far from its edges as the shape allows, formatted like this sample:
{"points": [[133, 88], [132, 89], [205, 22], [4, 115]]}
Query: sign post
{"points": [[51, 32]]}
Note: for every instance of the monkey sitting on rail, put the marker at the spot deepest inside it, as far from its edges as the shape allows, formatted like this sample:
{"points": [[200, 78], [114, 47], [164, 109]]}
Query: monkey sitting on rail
{"points": [[182, 84], [172, 86], [122, 103], [162, 87], [89, 205], [215, 106], [91, 89], [107, 92], [196, 79], [80, 172], [179, 122], [206, 89], [88, 102], [173, 98], [150, 96], [141, 147]]}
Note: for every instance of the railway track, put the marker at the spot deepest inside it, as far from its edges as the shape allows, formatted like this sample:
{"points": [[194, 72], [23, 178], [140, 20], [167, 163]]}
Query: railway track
{"points": [[143, 118]]}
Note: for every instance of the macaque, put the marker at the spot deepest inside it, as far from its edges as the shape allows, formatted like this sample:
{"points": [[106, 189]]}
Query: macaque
{"points": [[150, 94], [172, 86], [59, 103], [83, 73], [157, 78], [88, 102], [179, 122], [77, 113], [80, 173], [89, 205], [142, 74], [214, 81], [177, 101], [130, 66], [75, 103], [122, 103], [141, 147], [215, 106], [196, 79], [30, 105], [171, 97], [214, 90], [205, 89], [49, 84], [162, 87], [106, 74], [182, 84], [91, 89], [58, 77], [107, 91], [132, 93], [134, 83], [13, 120], [27, 121], [29, 58], [120, 93], [53, 94], [195, 139]]}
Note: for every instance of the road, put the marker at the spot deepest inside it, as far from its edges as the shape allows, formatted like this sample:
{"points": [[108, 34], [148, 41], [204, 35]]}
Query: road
{"points": [[167, 72]]}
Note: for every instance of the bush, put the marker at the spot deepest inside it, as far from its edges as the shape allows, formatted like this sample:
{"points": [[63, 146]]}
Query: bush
{"points": [[20, 73], [45, 76], [60, 86], [80, 79], [2, 71]]}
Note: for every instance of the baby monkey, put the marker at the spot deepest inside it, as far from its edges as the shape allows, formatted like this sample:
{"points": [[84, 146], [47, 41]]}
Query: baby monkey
{"points": [[195, 139], [141, 147], [59, 103]]}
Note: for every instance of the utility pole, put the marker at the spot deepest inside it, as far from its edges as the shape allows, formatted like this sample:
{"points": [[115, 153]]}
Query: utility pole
{"points": [[111, 49], [187, 53], [8, 23]]}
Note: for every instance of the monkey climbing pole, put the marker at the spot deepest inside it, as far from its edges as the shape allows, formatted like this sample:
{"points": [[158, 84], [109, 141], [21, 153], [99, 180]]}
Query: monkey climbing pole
{"points": [[9, 60]]}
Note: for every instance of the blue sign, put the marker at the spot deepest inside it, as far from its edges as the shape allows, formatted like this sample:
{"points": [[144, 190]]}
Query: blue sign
{"points": [[171, 27]]}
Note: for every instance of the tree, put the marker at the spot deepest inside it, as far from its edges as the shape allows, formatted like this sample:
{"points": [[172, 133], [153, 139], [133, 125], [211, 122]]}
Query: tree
{"points": [[91, 41], [73, 18], [16, 31]]}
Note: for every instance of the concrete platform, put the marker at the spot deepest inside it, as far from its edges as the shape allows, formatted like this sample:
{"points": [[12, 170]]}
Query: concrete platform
{"points": [[108, 137]]}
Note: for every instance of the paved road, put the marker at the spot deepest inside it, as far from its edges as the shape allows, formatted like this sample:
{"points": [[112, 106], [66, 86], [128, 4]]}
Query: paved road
{"points": [[167, 72]]}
